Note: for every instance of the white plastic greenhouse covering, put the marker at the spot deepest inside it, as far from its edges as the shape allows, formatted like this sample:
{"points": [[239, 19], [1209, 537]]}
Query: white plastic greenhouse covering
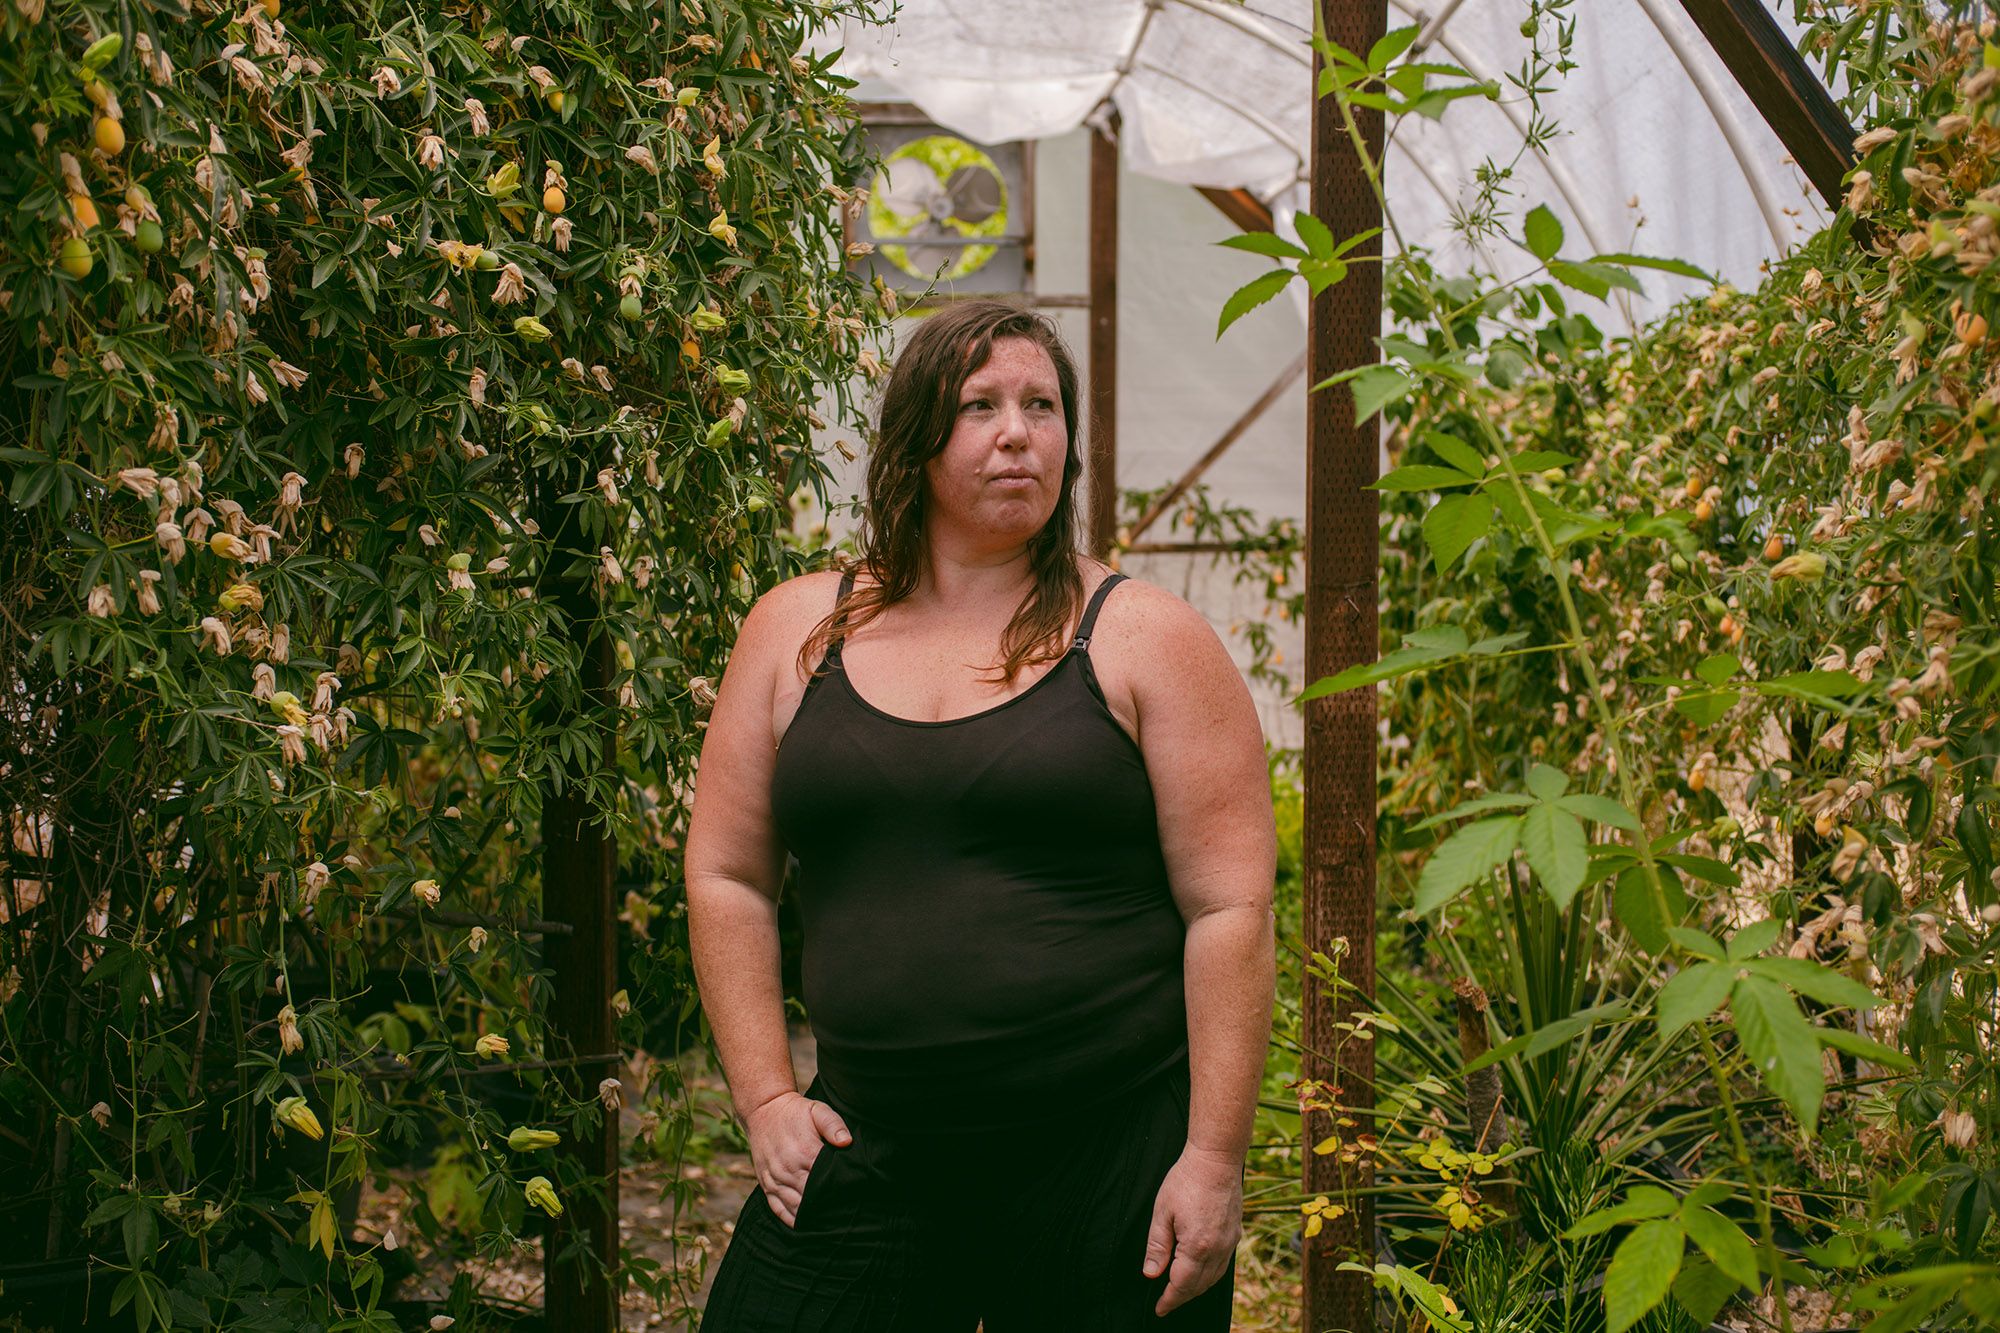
{"points": [[1216, 93]]}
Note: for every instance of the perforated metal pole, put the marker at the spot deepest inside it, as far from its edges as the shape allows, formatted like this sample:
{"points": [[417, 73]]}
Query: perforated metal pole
{"points": [[1103, 434], [1341, 592]]}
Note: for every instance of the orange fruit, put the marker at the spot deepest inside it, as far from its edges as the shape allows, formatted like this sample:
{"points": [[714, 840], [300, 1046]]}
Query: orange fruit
{"points": [[554, 200], [84, 210], [1703, 511], [110, 136], [1775, 548]]}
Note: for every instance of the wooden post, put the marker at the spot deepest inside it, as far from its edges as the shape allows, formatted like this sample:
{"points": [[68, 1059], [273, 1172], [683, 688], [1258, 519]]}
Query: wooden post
{"points": [[1342, 538], [1784, 89], [579, 863], [1103, 433]]}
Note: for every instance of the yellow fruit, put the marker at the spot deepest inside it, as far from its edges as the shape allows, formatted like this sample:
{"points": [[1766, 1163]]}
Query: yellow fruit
{"points": [[1698, 780], [75, 257], [110, 136], [271, 8], [1693, 486], [84, 210], [556, 99], [1703, 512], [553, 200], [1775, 548], [691, 352]]}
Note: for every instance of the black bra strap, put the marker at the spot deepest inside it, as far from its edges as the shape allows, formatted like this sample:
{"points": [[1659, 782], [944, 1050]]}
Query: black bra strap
{"points": [[1090, 612]]}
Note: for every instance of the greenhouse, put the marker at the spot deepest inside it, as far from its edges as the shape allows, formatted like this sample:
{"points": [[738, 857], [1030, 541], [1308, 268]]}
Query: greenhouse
{"points": [[518, 821]]}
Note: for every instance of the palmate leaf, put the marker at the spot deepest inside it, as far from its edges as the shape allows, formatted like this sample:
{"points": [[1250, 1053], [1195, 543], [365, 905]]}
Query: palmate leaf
{"points": [[1473, 851], [1692, 994], [1781, 1045], [1453, 525], [1642, 1269], [1557, 850]]}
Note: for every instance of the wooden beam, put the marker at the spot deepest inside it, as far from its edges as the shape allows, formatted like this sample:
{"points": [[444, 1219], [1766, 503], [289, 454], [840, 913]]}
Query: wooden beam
{"points": [[1235, 432], [1103, 432], [1239, 206], [1342, 588], [1783, 88]]}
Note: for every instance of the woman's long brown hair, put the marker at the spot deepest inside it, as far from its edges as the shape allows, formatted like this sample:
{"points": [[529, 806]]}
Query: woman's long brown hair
{"points": [[919, 408]]}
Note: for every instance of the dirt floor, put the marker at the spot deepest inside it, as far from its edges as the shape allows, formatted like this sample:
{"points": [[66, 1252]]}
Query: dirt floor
{"points": [[1266, 1295]]}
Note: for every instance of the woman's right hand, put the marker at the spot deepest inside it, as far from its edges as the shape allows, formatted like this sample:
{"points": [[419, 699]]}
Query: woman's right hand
{"points": [[787, 1134]]}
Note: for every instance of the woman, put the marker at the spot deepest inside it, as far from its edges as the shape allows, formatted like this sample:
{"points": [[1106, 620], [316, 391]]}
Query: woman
{"points": [[1036, 903]]}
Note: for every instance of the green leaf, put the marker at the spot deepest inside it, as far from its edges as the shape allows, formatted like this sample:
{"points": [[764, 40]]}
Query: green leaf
{"points": [[1453, 525], [1814, 685], [1543, 233], [1251, 295], [1641, 1272], [1704, 868], [1753, 939], [1549, 1036], [1724, 1242], [1691, 995], [1697, 942], [1600, 810], [1390, 45], [1635, 906], [1473, 851], [1478, 805], [1781, 1044], [1816, 981], [1675, 266], [1702, 1290], [1546, 782], [1264, 243], [1593, 279], [1423, 477], [1558, 851], [1863, 1048], [1377, 387], [1643, 1204], [1456, 452], [1718, 669], [1418, 653], [1314, 235]]}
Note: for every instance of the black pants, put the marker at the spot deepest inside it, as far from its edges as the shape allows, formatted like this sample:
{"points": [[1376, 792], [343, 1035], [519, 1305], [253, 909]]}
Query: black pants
{"points": [[1038, 1231]]}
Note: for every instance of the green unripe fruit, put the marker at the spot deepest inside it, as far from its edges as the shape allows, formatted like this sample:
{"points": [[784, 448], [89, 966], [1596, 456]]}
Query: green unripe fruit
{"points": [[756, 504], [149, 238], [75, 257], [486, 261], [630, 308], [1678, 563], [1713, 605]]}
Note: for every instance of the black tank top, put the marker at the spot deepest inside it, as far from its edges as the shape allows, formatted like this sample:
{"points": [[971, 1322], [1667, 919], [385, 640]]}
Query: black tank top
{"points": [[989, 935]]}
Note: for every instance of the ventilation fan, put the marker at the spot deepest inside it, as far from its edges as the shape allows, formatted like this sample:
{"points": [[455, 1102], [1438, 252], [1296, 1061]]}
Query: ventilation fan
{"points": [[939, 209]]}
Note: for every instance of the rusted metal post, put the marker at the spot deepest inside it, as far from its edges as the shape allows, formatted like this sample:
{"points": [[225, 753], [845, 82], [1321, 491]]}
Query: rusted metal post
{"points": [[579, 862], [1340, 622], [1103, 432], [1784, 89]]}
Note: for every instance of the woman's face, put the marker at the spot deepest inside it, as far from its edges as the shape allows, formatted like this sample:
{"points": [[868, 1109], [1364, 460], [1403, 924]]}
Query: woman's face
{"points": [[1001, 472]]}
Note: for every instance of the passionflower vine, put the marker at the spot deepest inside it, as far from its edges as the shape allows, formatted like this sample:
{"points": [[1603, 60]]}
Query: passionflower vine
{"points": [[294, 1114], [542, 1194], [523, 1139]]}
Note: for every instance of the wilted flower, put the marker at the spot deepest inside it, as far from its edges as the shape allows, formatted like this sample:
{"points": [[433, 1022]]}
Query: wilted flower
{"points": [[612, 1093], [608, 566], [475, 940], [292, 744], [543, 1195], [430, 152], [1861, 192], [477, 111], [1936, 677], [702, 690], [607, 485], [492, 1045], [149, 592], [476, 387], [101, 1113], [324, 686], [215, 634], [512, 287], [263, 682], [141, 481], [458, 572], [523, 1139], [313, 879], [642, 156], [289, 1040], [428, 535], [441, 1322], [100, 601], [241, 597], [172, 541], [1960, 1129], [428, 890], [1853, 846], [293, 1113], [280, 649], [386, 82]]}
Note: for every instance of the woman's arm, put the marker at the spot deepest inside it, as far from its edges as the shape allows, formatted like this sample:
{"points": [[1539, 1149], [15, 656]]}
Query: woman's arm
{"points": [[1204, 752], [735, 865]]}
